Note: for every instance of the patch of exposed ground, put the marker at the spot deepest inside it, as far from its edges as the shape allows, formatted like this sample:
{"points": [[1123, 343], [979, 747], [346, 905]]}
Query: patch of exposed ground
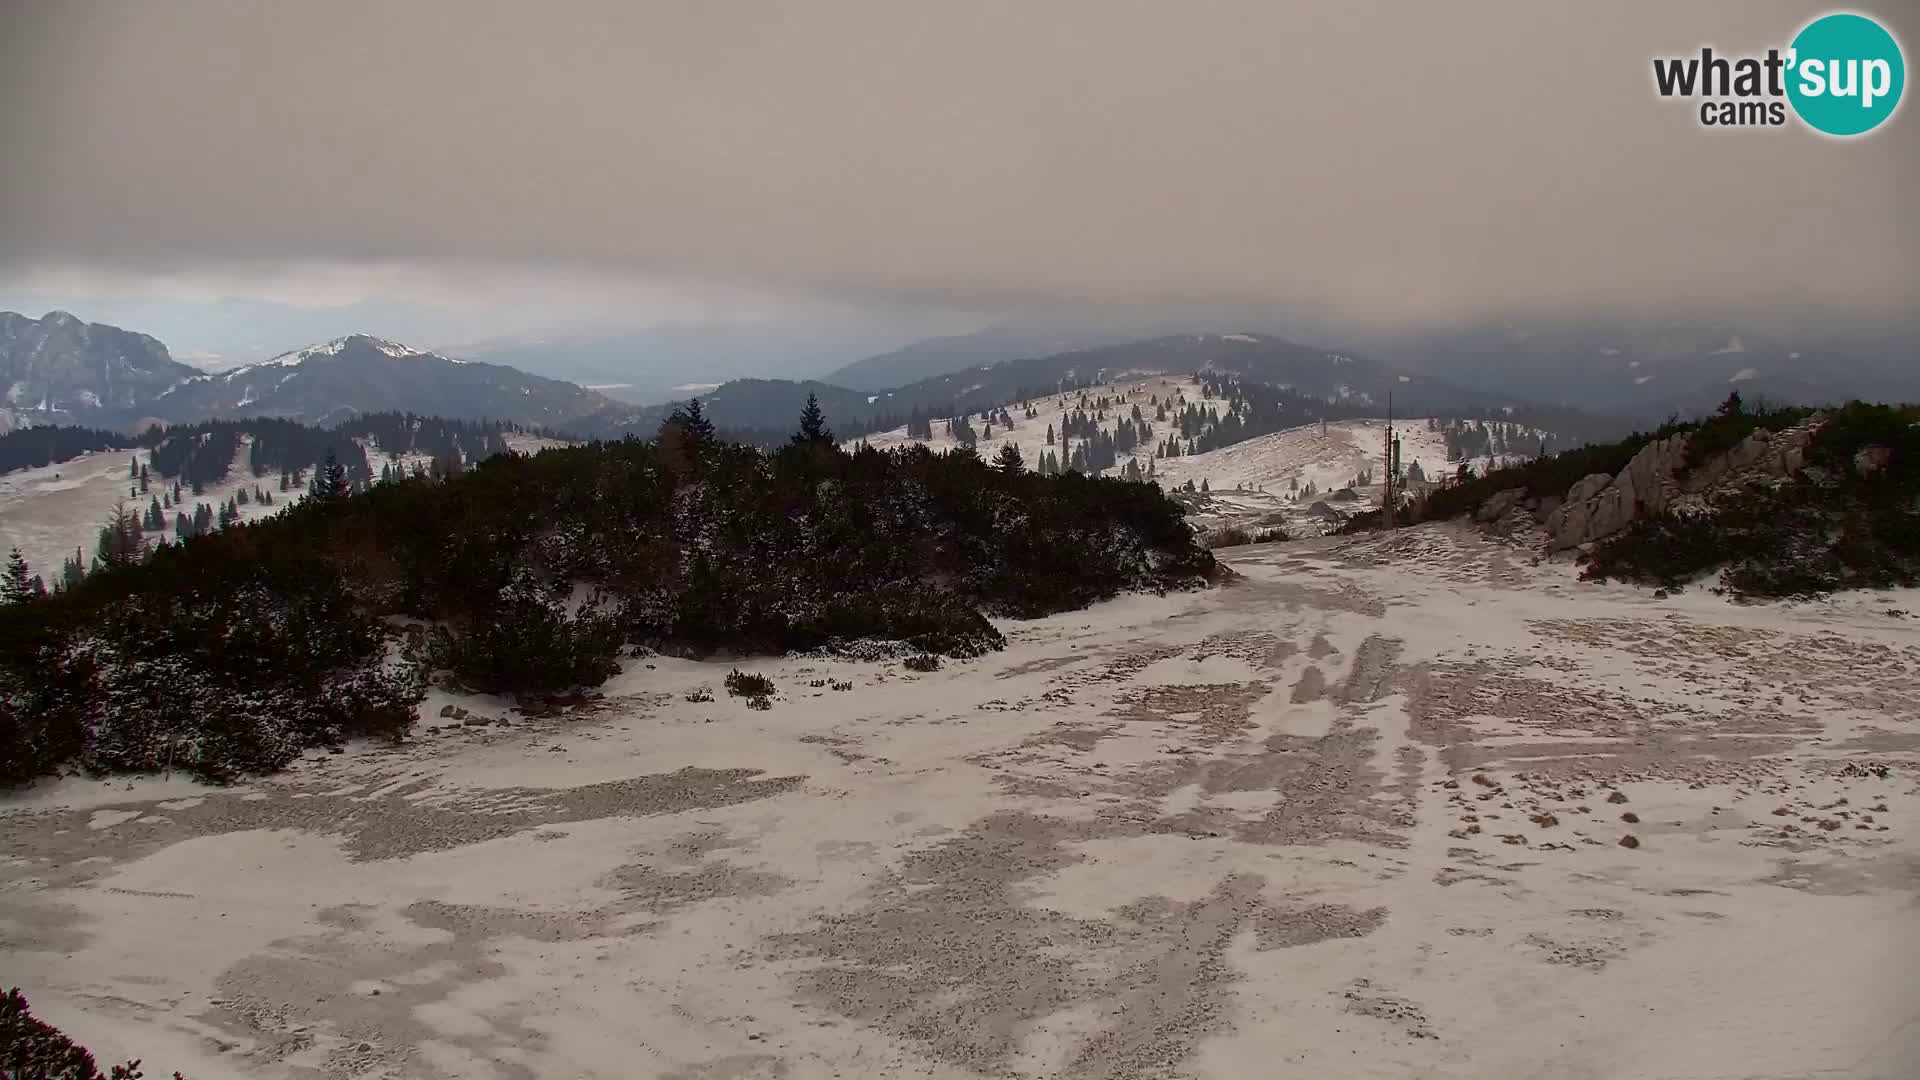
{"points": [[1312, 685], [1204, 715], [945, 954], [388, 826], [1752, 663]]}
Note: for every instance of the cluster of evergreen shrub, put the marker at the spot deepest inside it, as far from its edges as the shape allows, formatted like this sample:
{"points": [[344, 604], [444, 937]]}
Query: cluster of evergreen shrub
{"points": [[235, 650], [32, 1049], [1237, 536]]}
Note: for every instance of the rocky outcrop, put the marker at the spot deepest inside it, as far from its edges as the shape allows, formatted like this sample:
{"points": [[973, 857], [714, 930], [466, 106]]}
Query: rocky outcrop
{"points": [[1656, 480], [1497, 505], [1870, 460]]}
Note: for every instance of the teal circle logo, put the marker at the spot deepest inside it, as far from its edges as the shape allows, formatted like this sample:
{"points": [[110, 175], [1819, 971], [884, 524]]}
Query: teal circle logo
{"points": [[1845, 74]]}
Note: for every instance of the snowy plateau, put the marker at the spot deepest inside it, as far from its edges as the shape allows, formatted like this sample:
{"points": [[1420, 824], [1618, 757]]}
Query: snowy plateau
{"points": [[1416, 803], [1400, 805]]}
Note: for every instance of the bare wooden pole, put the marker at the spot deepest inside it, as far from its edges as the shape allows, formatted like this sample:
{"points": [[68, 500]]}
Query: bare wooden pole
{"points": [[1386, 500]]}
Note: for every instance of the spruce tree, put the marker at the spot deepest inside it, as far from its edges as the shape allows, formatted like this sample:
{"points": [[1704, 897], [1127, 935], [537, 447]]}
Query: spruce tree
{"points": [[813, 425], [1009, 460], [687, 433], [330, 481], [120, 542], [16, 587], [699, 428]]}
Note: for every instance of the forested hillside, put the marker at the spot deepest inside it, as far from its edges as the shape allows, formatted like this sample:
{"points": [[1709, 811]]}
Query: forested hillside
{"points": [[234, 650], [190, 452]]}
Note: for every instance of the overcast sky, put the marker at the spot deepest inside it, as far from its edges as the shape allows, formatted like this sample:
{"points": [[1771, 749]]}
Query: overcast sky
{"points": [[1390, 162]]}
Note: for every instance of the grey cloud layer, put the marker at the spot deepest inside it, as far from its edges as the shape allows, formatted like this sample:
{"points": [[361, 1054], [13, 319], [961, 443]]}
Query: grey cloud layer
{"points": [[1390, 160]]}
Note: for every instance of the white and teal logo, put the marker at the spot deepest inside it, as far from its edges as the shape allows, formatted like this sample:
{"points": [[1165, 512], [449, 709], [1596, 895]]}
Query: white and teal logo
{"points": [[1847, 74], [1843, 75]]}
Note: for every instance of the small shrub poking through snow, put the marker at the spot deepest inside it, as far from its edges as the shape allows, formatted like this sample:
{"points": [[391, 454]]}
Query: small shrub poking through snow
{"points": [[923, 662], [760, 703], [848, 685], [699, 694], [1230, 536], [1235, 536], [741, 684]]}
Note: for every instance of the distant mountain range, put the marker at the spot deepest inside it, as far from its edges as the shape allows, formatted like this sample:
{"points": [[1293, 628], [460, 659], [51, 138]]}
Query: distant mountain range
{"points": [[771, 405], [61, 370], [982, 348], [1652, 369], [654, 364], [355, 375]]}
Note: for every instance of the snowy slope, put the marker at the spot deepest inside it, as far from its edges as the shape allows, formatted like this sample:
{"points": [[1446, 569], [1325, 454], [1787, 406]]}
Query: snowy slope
{"points": [[1031, 435], [1327, 457], [53, 509]]}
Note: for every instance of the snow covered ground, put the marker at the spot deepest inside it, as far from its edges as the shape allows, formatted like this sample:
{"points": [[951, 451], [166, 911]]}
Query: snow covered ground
{"points": [[1359, 813], [50, 511]]}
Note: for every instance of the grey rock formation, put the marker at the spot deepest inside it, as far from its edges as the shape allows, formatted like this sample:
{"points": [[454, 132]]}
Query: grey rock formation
{"points": [[1497, 506], [1599, 505]]}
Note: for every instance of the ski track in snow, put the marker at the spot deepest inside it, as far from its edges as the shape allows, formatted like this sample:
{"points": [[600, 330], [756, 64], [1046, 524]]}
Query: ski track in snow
{"points": [[1354, 814]]}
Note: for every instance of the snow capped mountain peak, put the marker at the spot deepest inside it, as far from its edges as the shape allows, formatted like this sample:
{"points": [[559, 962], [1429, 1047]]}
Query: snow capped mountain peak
{"points": [[301, 356], [394, 348], [332, 348]]}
